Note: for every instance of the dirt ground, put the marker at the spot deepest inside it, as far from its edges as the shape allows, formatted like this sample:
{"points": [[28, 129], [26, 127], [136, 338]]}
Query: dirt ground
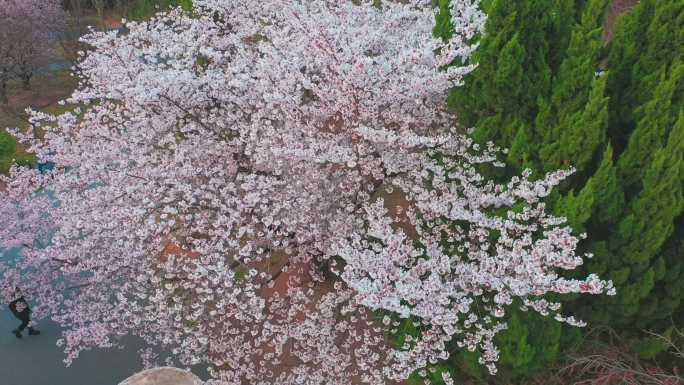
{"points": [[46, 90]]}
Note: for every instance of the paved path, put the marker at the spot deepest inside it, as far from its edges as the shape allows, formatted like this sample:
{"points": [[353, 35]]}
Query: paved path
{"points": [[36, 360]]}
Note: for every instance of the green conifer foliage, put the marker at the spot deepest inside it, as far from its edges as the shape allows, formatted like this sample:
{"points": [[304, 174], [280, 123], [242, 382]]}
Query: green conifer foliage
{"points": [[583, 132], [577, 208], [634, 235], [641, 255], [655, 118], [651, 214], [553, 92], [523, 44], [522, 148], [443, 28], [651, 35], [528, 345], [669, 290], [581, 61], [575, 124], [665, 37], [609, 199]]}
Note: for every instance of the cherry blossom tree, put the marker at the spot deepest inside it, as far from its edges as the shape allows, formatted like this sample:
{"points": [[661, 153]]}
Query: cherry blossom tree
{"points": [[272, 188], [27, 28]]}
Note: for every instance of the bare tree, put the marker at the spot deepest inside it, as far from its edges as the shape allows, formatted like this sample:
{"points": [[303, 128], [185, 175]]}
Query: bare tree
{"points": [[605, 359], [29, 55], [8, 42], [6, 65]]}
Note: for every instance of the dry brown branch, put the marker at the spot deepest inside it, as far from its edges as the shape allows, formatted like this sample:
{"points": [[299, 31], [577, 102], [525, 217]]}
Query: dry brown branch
{"points": [[605, 359]]}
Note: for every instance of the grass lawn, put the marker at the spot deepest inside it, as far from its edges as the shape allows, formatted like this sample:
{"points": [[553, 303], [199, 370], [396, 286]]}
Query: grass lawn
{"points": [[46, 90]]}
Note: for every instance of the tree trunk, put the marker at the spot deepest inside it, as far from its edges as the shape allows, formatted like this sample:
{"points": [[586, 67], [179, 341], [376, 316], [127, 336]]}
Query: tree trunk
{"points": [[76, 9], [3, 92], [26, 81], [123, 8], [99, 6], [100, 12]]}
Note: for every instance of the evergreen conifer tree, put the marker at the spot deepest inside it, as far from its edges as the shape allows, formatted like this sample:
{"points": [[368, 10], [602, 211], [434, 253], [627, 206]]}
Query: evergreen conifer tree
{"points": [[651, 35], [522, 46], [575, 118], [655, 118]]}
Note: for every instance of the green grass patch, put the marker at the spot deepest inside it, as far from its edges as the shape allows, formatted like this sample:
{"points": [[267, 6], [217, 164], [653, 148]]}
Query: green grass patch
{"points": [[144, 9], [11, 152]]}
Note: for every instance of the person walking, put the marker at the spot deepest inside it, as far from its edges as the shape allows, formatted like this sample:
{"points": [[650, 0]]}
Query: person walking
{"points": [[21, 310]]}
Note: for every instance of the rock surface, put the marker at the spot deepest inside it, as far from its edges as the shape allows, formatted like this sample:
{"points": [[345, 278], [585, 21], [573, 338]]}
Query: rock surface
{"points": [[163, 376]]}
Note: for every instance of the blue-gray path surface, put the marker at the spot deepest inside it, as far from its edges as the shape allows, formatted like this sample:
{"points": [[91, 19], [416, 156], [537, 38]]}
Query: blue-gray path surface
{"points": [[36, 360]]}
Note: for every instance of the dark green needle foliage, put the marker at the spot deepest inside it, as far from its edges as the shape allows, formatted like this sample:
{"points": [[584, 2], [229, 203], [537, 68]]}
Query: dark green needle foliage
{"points": [[557, 95]]}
